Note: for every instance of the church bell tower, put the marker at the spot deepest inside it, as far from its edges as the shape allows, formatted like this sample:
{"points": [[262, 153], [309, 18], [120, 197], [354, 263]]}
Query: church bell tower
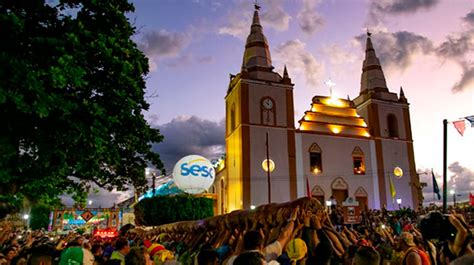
{"points": [[388, 118], [259, 101]]}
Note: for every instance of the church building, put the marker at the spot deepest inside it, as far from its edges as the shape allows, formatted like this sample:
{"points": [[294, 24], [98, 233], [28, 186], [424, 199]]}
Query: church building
{"points": [[341, 148]]}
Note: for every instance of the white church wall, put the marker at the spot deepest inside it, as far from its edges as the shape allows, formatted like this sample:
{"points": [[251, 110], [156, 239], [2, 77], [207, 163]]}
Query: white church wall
{"points": [[336, 162], [300, 175], [278, 152], [395, 155], [375, 203]]}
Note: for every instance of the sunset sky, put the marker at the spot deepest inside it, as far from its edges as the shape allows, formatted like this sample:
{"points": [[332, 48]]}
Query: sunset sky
{"points": [[425, 46]]}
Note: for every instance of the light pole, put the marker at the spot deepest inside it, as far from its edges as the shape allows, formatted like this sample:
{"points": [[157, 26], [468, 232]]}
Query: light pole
{"points": [[453, 192], [445, 165], [267, 166], [153, 175], [399, 202], [454, 197], [26, 217]]}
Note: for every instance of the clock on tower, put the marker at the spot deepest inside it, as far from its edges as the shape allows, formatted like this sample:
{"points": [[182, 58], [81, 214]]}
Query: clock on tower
{"points": [[267, 111]]}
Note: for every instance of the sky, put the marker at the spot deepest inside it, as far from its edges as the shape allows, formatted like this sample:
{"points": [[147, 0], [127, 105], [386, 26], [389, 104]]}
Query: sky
{"points": [[425, 46]]}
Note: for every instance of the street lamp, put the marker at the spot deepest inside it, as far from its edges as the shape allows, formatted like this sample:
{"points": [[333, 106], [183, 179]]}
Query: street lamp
{"points": [[453, 192], [26, 216], [399, 202], [89, 202]]}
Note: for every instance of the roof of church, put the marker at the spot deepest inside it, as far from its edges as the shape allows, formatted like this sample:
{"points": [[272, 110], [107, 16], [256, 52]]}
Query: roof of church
{"points": [[372, 82], [257, 61], [330, 115], [372, 78]]}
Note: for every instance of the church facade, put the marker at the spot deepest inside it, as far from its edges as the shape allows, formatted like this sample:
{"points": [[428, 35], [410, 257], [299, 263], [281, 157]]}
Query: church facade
{"points": [[341, 148]]}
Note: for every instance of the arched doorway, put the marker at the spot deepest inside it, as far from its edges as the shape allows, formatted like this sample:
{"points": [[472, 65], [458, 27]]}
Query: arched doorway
{"points": [[362, 197], [339, 189], [318, 193]]}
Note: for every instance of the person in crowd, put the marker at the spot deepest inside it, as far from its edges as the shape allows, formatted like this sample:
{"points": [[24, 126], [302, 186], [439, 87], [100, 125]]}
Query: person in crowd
{"points": [[122, 248], [207, 257], [412, 253], [98, 251], [76, 254], [366, 256], [296, 250], [252, 242], [42, 255], [138, 256], [250, 258], [8, 254]]}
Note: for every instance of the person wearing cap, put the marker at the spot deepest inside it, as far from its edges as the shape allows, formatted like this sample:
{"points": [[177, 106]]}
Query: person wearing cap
{"points": [[408, 246], [296, 250]]}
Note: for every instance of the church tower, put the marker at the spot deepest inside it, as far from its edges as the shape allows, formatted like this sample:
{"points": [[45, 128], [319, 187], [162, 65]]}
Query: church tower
{"points": [[388, 118], [259, 102]]}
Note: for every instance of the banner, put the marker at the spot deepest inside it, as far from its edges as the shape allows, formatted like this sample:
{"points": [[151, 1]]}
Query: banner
{"points": [[393, 192], [460, 126], [435, 185]]}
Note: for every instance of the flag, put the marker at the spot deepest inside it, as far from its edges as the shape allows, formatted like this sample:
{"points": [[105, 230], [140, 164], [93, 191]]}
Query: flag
{"points": [[435, 185], [471, 120], [393, 192], [460, 126], [308, 190], [471, 199]]}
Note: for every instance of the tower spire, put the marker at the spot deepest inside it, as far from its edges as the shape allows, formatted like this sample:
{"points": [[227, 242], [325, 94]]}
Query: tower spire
{"points": [[372, 79], [286, 78], [257, 54], [402, 98]]}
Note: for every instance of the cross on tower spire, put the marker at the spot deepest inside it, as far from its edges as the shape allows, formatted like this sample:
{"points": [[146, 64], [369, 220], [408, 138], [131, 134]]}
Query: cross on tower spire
{"points": [[257, 7]]}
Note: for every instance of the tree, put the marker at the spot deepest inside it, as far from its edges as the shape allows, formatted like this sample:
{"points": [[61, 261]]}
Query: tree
{"points": [[39, 217], [71, 99], [162, 209]]}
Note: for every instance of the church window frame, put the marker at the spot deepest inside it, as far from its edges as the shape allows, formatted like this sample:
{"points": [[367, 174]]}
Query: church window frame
{"points": [[358, 161], [315, 159], [392, 125]]}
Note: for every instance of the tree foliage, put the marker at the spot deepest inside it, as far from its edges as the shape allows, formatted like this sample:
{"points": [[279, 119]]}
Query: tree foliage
{"points": [[39, 217], [71, 99], [168, 209]]}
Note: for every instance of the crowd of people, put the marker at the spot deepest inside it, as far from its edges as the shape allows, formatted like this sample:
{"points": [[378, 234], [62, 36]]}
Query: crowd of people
{"points": [[300, 232]]}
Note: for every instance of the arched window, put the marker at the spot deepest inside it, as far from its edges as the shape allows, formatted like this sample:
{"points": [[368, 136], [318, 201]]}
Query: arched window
{"points": [[232, 117], [392, 126], [315, 158], [358, 161]]}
